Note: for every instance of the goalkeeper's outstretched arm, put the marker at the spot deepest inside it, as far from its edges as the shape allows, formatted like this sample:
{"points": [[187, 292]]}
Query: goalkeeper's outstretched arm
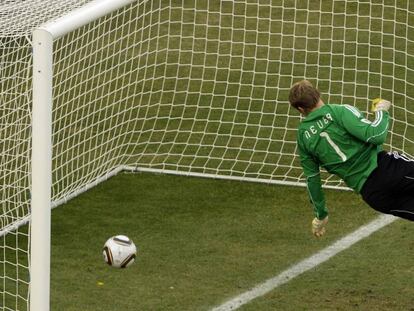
{"points": [[371, 132], [316, 195]]}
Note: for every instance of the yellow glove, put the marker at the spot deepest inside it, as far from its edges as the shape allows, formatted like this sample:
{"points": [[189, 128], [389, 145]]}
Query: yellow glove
{"points": [[318, 226], [380, 104]]}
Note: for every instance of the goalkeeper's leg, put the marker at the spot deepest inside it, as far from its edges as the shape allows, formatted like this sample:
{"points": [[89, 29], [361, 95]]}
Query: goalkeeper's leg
{"points": [[404, 207], [404, 198], [390, 188]]}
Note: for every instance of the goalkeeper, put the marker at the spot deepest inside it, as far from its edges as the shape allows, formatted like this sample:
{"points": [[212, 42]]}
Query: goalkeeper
{"points": [[339, 139]]}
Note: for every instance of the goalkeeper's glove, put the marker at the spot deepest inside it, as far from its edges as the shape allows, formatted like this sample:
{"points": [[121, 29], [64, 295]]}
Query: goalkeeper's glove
{"points": [[318, 226], [379, 104]]}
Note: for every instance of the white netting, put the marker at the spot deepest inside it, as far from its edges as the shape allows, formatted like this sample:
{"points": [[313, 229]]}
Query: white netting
{"points": [[213, 79], [17, 20], [190, 87], [19, 17]]}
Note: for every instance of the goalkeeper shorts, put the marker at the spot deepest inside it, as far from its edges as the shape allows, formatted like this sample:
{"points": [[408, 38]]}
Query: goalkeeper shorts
{"points": [[390, 187]]}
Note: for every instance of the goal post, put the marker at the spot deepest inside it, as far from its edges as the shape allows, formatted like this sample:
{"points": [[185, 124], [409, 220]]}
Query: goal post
{"points": [[41, 171], [41, 199]]}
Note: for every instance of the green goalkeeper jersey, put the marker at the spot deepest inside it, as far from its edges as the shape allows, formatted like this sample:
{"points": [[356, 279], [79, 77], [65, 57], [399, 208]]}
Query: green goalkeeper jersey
{"points": [[339, 139]]}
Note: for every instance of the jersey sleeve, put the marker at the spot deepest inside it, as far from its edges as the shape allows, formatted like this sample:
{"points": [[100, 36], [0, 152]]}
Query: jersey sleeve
{"points": [[371, 132], [313, 182]]}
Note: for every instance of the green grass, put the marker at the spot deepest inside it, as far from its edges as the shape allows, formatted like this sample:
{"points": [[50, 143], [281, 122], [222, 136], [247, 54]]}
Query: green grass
{"points": [[203, 98], [197, 86], [375, 274], [199, 241]]}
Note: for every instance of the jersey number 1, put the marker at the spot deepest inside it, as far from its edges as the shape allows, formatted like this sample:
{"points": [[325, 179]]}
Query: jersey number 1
{"points": [[333, 145]]}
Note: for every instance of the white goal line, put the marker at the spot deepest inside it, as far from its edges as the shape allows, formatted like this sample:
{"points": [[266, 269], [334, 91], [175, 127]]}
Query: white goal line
{"points": [[306, 264]]}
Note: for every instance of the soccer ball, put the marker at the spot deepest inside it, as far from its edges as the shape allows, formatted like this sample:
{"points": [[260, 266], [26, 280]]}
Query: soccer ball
{"points": [[119, 251]]}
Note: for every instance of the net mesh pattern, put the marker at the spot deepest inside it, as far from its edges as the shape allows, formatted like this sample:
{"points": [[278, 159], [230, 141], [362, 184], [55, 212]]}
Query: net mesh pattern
{"points": [[189, 87]]}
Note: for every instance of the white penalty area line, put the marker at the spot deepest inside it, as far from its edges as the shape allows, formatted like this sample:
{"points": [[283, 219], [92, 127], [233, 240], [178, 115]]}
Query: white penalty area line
{"points": [[307, 263]]}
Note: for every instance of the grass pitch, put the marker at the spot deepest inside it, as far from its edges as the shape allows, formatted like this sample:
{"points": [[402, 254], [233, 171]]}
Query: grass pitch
{"points": [[203, 241], [205, 79], [375, 274]]}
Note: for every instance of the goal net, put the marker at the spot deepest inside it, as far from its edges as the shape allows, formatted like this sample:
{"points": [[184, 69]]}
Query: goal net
{"points": [[194, 88], [214, 77]]}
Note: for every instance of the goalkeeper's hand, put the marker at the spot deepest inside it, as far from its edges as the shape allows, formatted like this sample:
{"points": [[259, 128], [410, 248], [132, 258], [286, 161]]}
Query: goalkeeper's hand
{"points": [[318, 226], [379, 104]]}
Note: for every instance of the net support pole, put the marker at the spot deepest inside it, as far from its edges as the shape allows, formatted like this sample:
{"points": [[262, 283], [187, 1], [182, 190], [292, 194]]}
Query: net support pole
{"points": [[41, 181]]}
